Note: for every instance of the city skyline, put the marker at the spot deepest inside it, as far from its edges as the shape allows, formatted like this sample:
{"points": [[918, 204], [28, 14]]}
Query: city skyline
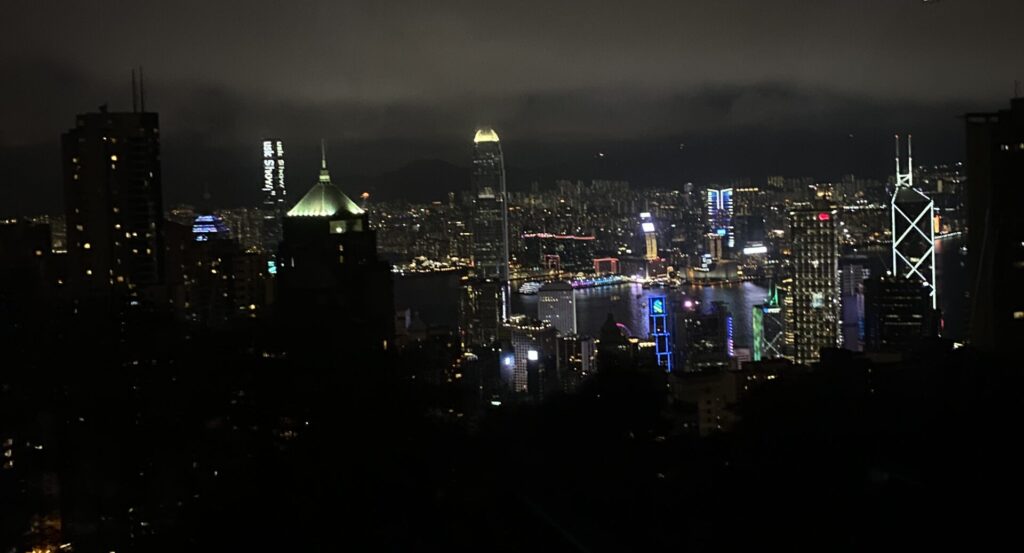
{"points": [[298, 294]]}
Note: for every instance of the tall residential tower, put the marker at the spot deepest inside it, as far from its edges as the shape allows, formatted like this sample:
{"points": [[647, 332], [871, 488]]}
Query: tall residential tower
{"points": [[113, 201]]}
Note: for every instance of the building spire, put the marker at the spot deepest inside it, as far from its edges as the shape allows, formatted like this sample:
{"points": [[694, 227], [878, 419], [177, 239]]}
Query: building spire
{"points": [[325, 176]]}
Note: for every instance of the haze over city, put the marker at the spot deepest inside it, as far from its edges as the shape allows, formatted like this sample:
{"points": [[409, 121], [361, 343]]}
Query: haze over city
{"points": [[389, 84]]}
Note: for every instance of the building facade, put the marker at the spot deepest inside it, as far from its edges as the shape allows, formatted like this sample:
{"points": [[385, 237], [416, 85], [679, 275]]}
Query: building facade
{"points": [[995, 171], [898, 314], [331, 283], [490, 221], [113, 199], [815, 290], [556, 305]]}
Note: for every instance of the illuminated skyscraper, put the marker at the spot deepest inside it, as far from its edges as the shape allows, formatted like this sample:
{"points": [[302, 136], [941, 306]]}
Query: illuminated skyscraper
{"points": [[720, 215], [650, 237], [490, 234], [490, 222], [113, 201], [815, 292], [660, 329], [274, 192], [913, 233]]}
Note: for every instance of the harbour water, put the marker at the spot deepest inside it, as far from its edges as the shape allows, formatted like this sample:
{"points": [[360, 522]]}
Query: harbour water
{"points": [[435, 297], [628, 302]]}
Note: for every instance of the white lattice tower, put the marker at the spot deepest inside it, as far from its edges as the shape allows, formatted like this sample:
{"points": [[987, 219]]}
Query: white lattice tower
{"points": [[913, 233]]}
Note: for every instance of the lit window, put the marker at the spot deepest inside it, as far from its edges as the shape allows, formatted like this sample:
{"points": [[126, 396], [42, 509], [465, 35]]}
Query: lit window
{"points": [[87, 246]]}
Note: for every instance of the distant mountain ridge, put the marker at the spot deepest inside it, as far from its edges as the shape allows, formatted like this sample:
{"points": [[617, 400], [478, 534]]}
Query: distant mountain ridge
{"points": [[428, 180]]}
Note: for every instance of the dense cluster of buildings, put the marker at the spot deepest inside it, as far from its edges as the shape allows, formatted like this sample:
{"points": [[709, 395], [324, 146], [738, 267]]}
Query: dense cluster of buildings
{"points": [[849, 263], [116, 249]]}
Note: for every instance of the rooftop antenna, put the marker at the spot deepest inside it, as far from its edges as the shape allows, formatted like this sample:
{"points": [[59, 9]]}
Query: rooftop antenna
{"points": [[135, 94], [325, 177], [897, 158], [910, 160], [142, 91]]}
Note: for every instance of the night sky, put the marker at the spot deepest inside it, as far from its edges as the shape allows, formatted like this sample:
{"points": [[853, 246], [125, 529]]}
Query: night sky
{"points": [[813, 87]]}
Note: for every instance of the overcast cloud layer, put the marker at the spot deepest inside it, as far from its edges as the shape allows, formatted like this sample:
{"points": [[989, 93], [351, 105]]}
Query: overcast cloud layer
{"points": [[750, 87]]}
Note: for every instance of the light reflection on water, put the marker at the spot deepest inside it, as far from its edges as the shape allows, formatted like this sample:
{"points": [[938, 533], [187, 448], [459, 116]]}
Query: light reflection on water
{"points": [[628, 303]]}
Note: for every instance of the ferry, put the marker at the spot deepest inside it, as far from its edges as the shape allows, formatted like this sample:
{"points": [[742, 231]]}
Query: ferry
{"points": [[529, 288]]}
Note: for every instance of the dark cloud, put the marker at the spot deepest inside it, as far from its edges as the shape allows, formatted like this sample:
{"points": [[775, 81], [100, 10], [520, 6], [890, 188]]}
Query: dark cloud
{"points": [[750, 87]]}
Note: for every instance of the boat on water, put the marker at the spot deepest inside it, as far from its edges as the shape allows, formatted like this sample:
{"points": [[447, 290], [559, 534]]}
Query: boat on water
{"points": [[529, 288]]}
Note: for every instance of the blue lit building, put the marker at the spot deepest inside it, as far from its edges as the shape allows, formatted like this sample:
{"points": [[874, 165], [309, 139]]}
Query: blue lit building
{"points": [[660, 330], [720, 215]]}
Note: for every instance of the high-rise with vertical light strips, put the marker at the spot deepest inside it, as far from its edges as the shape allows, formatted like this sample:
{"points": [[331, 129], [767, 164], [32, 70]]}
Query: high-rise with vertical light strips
{"points": [[274, 192], [720, 215]]}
